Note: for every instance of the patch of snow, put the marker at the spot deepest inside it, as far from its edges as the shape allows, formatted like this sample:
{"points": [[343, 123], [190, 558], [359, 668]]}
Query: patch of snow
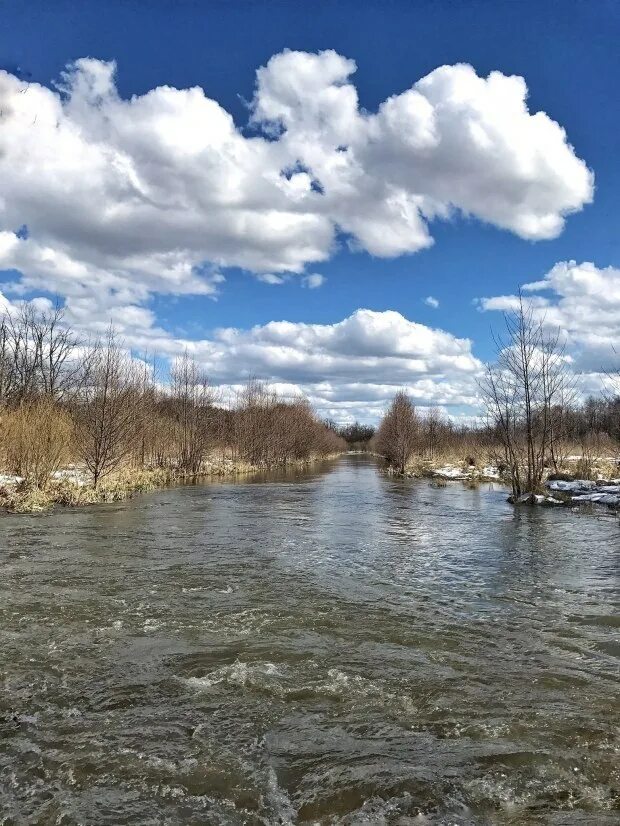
{"points": [[584, 490], [569, 487], [10, 479], [450, 472], [598, 498], [538, 499], [71, 474], [593, 458]]}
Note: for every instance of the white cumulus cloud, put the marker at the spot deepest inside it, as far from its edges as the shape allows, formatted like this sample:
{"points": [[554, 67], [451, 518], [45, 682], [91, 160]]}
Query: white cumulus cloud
{"points": [[158, 193], [107, 201], [347, 369], [583, 301]]}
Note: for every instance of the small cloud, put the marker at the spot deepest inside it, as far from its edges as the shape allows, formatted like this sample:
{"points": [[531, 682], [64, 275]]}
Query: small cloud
{"points": [[271, 278], [431, 301], [313, 281]]}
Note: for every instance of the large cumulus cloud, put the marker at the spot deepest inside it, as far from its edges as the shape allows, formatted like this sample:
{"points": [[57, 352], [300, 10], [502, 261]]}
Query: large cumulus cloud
{"points": [[106, 201], [350, 368], [151, 189]]}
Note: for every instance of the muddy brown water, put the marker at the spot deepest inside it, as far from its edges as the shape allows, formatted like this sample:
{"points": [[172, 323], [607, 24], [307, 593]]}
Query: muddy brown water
{"points": [[328, 647]]}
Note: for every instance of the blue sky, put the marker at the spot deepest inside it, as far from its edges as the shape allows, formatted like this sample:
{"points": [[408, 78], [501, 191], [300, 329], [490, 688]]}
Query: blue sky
{"points": [[567, 52]]}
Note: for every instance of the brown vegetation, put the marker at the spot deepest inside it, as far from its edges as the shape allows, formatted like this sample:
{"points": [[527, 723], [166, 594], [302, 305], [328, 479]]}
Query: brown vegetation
{"points": [[91, 403], [398, 434], [37, 437], [527, 392], [536, 425]]}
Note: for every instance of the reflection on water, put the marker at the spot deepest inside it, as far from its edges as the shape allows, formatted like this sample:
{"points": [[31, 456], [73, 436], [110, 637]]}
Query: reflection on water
{"points": [[332, 647]]}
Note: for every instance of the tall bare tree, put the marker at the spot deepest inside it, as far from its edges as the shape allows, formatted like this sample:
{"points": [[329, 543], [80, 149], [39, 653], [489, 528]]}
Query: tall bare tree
{"points": [[63, 357], [432, 427], [192, 399], [526, 392], [39, 355], [398, 432], [105, 415]]}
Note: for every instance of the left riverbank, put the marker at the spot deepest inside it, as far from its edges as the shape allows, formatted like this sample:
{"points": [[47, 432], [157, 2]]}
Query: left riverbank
{"points": [[72, 487]]}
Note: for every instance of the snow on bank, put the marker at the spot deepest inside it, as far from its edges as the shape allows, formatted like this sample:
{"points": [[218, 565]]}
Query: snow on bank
{"points": [[458, 474], [585, 490], [599, 498], [71, 474], [450, 472], [10, 479]]}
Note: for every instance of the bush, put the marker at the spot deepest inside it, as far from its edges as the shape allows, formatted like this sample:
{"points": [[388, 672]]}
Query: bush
{"points": [[35, 440]]}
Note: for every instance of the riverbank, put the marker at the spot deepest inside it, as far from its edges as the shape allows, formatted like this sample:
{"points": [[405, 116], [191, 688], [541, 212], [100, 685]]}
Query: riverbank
{"points": [[71, 486], [562, 489], [449, 471]]}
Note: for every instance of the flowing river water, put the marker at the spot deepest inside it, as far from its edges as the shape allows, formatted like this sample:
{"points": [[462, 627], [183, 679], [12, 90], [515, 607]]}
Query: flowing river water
{"points": [[330, 647]]}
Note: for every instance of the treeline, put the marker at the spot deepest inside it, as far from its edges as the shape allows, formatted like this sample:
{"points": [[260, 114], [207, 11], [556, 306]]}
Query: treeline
{"points": [[356, 435], [583, 434], [535, 420], [66, 400], [405, 435]]}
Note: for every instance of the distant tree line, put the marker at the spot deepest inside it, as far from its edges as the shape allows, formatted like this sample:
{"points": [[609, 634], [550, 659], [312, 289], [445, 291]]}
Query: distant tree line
{"points": [[356, 435], [66, 399]]}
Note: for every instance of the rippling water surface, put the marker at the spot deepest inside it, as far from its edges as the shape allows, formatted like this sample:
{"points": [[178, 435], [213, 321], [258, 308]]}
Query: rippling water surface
{"points": [[335, 647]]}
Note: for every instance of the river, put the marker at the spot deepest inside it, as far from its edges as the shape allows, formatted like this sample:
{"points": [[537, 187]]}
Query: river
{"points": [[331, 646]]}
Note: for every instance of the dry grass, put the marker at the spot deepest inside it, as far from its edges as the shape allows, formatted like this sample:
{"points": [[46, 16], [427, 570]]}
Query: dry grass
{"points": [[35, 440], [66, 492], [26, 498]]}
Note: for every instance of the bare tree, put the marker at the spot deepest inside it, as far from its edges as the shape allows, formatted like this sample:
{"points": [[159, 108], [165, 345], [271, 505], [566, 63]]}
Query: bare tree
{"points": [[63, 358], [398, 432], [526, 391], [432, 426], [39, 355], [106, 421], [192, 403], [19, 355]]}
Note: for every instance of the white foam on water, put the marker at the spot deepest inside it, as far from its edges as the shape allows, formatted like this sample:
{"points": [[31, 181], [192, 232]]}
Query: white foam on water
{"points": [[517, 790], [151, 624], [239, 674], [279, 801], [242, 623]]}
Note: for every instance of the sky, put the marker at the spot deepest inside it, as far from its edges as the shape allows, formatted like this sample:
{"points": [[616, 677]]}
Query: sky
{"points": [[339, 198]]}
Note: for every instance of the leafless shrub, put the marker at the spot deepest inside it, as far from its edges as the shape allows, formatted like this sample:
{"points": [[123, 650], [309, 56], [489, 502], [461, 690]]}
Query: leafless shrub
{"points": [[36, 438], [271, 431], [191, 407], [105, 415], [398, 433]]}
